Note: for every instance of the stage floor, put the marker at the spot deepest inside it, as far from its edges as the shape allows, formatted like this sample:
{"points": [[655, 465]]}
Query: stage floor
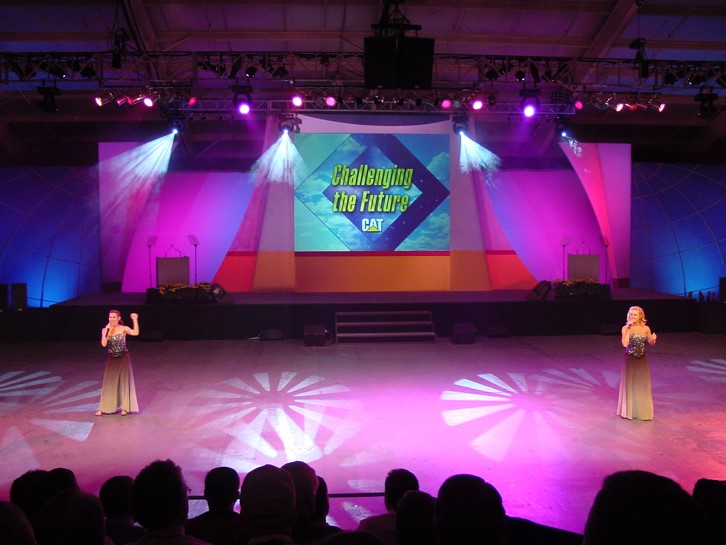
{"points": [[535, 416]]}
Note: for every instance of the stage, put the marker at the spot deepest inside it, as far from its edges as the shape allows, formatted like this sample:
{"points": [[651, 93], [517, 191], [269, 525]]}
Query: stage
{"points": [[246, 315], [534, 415]]}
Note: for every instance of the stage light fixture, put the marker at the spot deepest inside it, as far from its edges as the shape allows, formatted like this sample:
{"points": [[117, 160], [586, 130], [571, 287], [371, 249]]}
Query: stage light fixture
{"points": [[289, 123], [56, 70], [562, 124], [150, 99], [103, 99], [476, 104], [251, 71], [492, 100], [578, 104], [460, 124], [297, 100], [520, 75], [706, 99], [331, 101], [530, 102], [242, 99], [47, 101], [446, 103], [491, 74]]}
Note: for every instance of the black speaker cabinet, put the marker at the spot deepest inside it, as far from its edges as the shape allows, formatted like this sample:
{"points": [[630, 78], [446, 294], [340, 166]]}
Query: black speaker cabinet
{"points": [[19, 296], [463, 333], [398, 62], [218, 292], [4, 294], [314, 335]]}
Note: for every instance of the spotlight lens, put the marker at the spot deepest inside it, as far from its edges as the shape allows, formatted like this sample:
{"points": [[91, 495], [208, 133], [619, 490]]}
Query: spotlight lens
{"points": [[330, 101], [446, 104], [192, 101], [99, 101], [528, 111], [297, 101], [244, 108], [175, 131], [619, 107], [477, 104], [661, 107], [148, 102], [579, 105]]}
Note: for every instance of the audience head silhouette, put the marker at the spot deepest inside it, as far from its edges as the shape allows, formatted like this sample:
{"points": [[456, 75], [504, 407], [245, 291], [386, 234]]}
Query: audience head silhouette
{"points": [[14, 526], [306, 487], [221, 488], [469, 511], [415, 518], [641, 508], [159, 496], [398, 482], [267, 502]]}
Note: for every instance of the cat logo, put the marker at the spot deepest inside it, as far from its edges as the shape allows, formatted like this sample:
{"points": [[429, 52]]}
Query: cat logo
{"points": [[372, 225]]}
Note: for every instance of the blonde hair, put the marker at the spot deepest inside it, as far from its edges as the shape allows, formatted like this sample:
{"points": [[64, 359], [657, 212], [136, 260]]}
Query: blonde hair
{"points": [[642, 314]]}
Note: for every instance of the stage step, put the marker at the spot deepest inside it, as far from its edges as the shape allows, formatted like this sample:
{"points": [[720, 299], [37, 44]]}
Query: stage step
{"points": [[399, 325]]}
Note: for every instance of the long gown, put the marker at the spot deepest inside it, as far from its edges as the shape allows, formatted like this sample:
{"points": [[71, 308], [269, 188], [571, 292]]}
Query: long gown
{"points": [[118, 389], [635, 400]]}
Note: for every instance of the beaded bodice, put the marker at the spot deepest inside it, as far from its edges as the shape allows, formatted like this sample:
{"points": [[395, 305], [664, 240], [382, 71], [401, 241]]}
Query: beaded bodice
{"points": [[117, 345], [636, 345]]}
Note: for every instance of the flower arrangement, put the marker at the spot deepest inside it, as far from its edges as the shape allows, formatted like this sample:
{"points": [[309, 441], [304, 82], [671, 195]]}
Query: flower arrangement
{"points": [[580, 288], [177, 292]]}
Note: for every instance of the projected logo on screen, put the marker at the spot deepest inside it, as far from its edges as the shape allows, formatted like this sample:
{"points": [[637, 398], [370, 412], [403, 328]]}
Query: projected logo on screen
{"points": [[373, 192]]}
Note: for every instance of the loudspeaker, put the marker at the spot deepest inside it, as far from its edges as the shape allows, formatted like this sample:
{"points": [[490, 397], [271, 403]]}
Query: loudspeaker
{"points": [[398, 62], [314, 335], [271, 335], [539, 292], [19, 296], [218, 292], [463, 333], [4, 300], [498, 331], [722, 290]]}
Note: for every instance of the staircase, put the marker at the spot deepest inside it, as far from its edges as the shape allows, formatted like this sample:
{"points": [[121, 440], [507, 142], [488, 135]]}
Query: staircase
{"points": [[401, 326]]}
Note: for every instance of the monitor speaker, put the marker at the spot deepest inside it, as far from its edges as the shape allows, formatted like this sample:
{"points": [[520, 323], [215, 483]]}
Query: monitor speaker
{"points": [[398, 62], [19, 296], [314, 335], [4, 294], [539, 292], [463, 333]]}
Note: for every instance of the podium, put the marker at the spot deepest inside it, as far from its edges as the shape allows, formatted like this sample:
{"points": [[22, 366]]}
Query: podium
{"points": [[172, 270]]}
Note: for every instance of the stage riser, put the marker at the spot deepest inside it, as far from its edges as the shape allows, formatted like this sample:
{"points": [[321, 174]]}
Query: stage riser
{"points": [[240, 321]]}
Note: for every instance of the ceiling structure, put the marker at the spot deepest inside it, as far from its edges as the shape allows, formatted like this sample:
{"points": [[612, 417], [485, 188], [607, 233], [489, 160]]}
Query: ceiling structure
{"points": [[598, 53]]}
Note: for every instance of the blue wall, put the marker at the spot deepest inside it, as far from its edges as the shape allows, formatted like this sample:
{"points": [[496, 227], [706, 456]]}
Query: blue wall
{"points": [[49, 230]]}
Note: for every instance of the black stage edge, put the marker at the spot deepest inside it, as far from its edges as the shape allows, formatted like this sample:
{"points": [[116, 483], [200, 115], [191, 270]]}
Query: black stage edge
{"points": [[246, 315]]}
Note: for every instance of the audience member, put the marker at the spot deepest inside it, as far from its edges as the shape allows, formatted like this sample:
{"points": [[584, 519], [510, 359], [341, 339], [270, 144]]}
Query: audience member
{"points": [[115, 496], [469, 511], [306, 531], [351, 538], [415, 519], [267, 507], [711, 495], [322, 509], [71, 517], [221, 523], [48, 485], [159, 503], [14, 526], [397, 483], [21, 489], [641, 508]]}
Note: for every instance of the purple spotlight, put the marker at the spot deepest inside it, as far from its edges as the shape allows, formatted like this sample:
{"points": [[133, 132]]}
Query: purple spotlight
{"points": [[529, 110], [330, 101], [477, 104], [297, 101], [244, 108]]}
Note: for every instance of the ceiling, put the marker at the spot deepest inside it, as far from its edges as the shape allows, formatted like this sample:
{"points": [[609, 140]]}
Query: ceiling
{"points": [[593, 51]]}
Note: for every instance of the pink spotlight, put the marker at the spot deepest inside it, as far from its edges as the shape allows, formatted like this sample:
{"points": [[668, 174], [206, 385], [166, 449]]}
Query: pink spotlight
{"points": [[579, 105], [477, 104], [330, 101], [297, 101], [446, 103], [192, 101], [149, 101], [244, 108]]}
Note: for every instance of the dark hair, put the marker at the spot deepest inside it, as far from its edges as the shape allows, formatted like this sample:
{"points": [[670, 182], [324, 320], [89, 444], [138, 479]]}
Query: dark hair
{"points": [[115, 496], [159, 495], [221, 486], [398, 482]]}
